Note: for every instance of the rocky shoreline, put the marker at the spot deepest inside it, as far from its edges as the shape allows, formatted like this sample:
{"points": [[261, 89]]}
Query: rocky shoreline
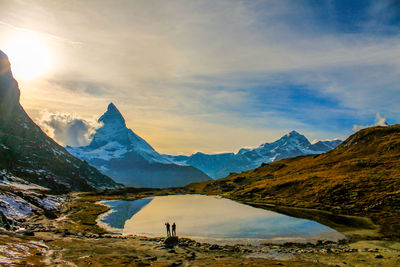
{"points": [[75, 239]]}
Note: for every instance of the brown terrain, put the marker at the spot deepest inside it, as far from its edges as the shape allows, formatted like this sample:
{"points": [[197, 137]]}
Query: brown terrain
{"points": [[361, 177], [354, 189], [75, 239]]}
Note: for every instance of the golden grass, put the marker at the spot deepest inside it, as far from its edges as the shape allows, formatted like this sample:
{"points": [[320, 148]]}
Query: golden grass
{"points": [[359, 177]]}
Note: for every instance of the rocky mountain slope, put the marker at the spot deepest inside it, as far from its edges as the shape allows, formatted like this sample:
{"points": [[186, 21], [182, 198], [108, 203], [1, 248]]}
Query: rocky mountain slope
{"points": [[123, 155], [28, 153], [220, 165], [359, 177]]}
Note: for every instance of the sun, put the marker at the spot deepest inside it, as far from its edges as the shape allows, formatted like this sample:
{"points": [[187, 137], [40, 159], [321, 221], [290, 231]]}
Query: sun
{"points": [[29, 56]]}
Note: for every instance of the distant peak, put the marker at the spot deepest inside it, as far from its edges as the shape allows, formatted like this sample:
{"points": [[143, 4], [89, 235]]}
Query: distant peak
{"points": [[296, 137], [293, 133], [112, 108], [112, 115]]}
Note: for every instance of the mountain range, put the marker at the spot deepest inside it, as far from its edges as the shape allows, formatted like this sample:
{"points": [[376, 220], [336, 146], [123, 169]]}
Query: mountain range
{"points": [[28, 153], [360, 177], [124, 156], [220, 165]]}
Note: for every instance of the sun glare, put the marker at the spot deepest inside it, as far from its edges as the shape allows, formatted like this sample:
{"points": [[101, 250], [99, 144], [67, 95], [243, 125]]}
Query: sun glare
{"points": [[29, 57]]}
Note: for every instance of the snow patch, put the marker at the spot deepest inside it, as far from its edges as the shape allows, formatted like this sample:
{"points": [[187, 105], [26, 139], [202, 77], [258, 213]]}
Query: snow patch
{"points": [[15, 207], [50, 202]]}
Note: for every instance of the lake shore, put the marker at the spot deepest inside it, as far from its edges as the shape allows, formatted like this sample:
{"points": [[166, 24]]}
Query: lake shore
{"points": [[75, 238]]}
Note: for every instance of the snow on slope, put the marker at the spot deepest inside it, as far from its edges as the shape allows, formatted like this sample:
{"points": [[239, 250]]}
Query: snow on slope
{"points": [[124, 156], [19, 198], [113, 140], [15, 207], [219, 165]]}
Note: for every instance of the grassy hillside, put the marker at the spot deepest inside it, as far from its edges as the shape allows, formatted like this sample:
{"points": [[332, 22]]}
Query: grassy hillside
{"points": [[359, 177]]}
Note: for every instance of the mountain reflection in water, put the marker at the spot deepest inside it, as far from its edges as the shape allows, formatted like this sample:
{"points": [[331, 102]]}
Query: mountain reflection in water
{"points": [[207, 216]]}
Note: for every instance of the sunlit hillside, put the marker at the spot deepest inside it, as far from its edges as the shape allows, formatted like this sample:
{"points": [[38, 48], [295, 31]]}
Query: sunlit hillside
{"points": [[361, 176]]}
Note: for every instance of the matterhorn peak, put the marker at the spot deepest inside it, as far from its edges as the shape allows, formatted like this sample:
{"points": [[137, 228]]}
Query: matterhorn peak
{"points": [[112, 116], [112, 108]]}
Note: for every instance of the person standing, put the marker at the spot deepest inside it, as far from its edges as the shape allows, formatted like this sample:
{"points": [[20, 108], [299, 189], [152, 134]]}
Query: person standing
{"points": [[168, 229], [173, 229]]}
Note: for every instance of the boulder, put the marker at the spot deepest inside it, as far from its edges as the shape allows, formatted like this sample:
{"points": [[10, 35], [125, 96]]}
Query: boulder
{"points": [[171, 241]]}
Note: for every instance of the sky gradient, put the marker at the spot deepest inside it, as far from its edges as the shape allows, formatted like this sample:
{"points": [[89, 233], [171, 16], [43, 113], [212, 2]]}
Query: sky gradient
{"points": [[211, 76]]}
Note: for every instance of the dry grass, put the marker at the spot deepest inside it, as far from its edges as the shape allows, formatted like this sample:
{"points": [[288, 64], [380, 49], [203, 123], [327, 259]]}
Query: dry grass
{"points": [[360, 177]]}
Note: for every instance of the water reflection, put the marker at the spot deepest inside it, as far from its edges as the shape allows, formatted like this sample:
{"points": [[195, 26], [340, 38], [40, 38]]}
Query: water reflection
{"points": [[122, 210], [207, 216]]}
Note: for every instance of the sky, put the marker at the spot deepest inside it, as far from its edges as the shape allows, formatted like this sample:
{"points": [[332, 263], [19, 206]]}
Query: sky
{"points": [[211, 76]]}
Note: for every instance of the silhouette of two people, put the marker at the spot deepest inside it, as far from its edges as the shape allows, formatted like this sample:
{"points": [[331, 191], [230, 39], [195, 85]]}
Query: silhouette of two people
{"points": [[168, 226]]}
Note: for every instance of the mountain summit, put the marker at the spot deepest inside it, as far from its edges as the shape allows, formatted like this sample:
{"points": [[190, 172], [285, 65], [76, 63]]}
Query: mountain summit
{"points": [[360, 177], [113, 140], [123, 155], [28, 153], [220, 165], [112, 116]]}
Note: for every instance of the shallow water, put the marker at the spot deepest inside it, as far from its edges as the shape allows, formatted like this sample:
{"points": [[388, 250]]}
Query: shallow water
{"points": [[211, 218]]}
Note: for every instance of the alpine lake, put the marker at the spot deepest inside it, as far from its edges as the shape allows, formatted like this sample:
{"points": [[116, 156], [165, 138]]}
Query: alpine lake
{"points": [[210, 219]]}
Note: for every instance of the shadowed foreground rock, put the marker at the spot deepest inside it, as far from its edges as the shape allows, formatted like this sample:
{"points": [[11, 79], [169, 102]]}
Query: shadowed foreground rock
{"points": [[171, 241]]}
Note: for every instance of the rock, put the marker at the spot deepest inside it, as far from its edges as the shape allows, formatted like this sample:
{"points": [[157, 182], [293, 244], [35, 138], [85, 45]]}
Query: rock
{"points": [[191, 255], [151, 258], [171, 241], [177, 263], [378, 256], [28, 233], [214, 247]]}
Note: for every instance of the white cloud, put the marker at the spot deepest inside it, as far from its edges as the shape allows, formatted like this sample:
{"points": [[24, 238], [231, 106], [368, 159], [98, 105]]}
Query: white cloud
{"points": [[67, 129], [379, 121], [195, 62]]}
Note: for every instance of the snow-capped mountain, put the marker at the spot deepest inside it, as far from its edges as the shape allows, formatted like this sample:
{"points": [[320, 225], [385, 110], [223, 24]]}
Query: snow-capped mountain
{"points": [[220, 165], [210, 164], [123, 155], [113, 140], [28, 153]]}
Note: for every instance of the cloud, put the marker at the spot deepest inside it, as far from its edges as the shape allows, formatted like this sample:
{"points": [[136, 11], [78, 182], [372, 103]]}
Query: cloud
{"points": [[319, 67], [379, 121], [67, 129], [82, 87]]}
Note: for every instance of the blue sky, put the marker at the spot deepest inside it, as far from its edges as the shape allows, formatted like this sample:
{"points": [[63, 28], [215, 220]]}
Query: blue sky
{"points": [[214, 76]]}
